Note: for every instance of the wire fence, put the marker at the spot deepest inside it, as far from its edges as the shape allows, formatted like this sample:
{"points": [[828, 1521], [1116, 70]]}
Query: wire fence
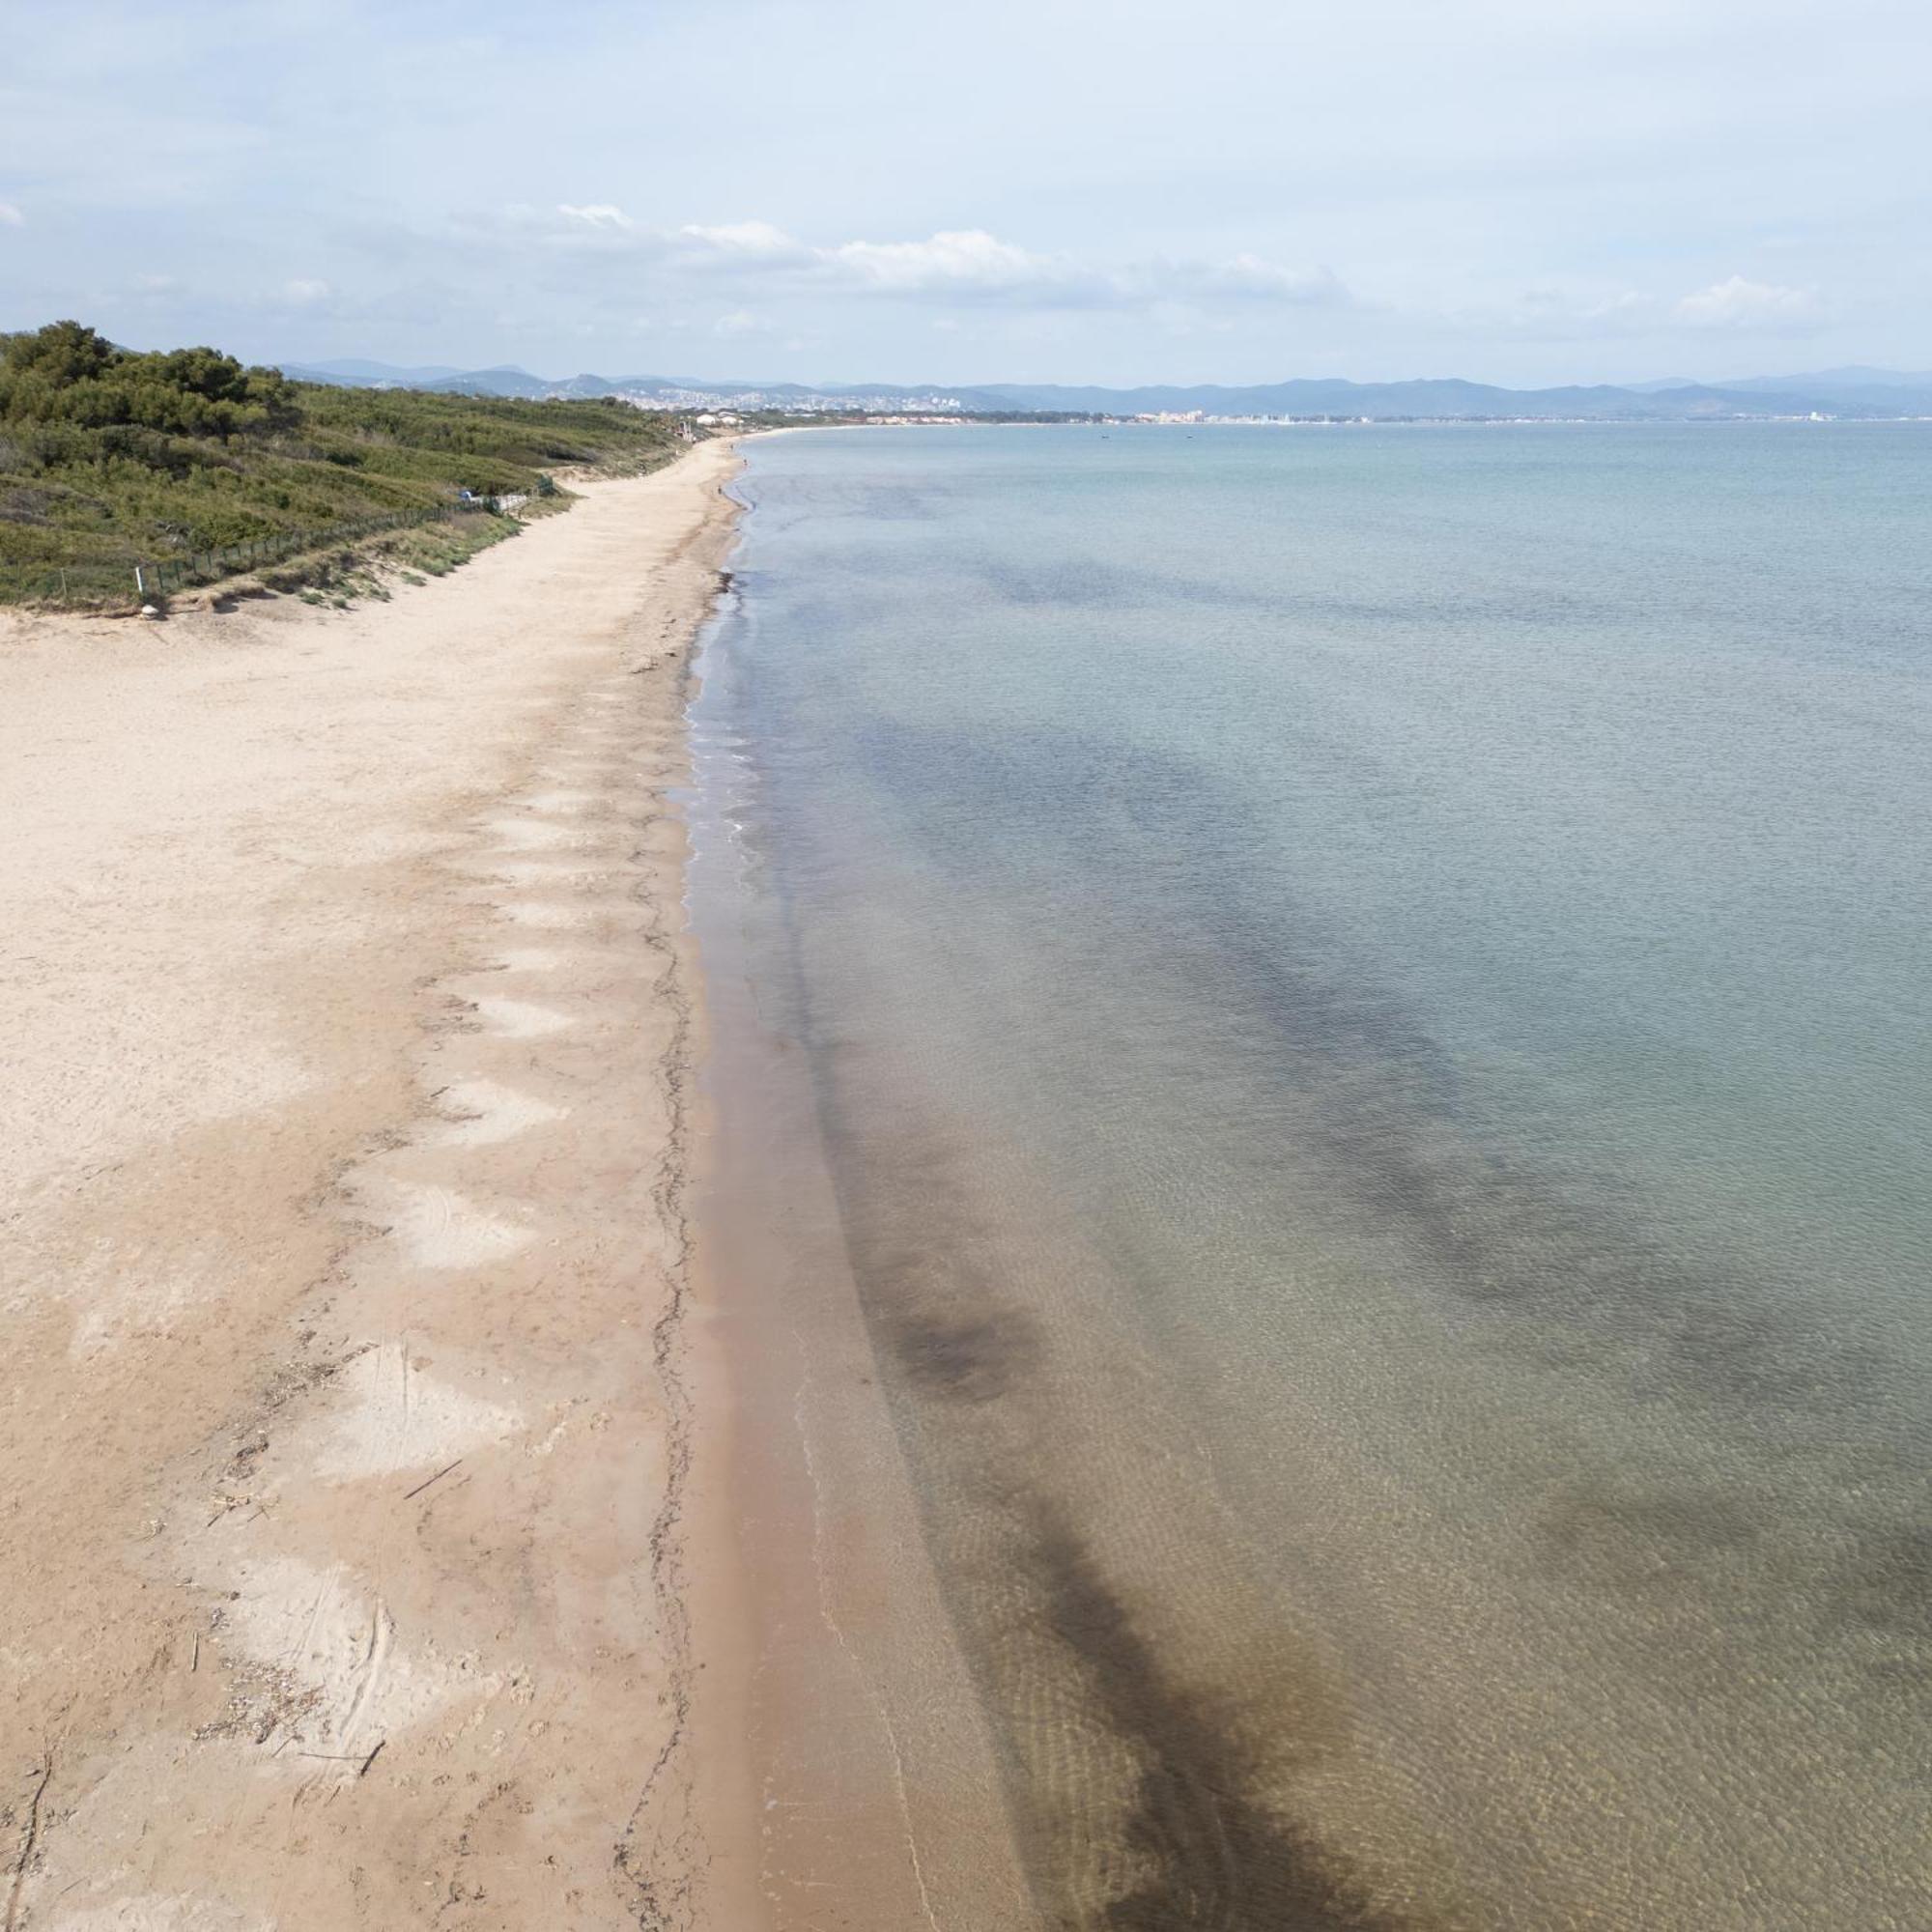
{"points": [[134, 580]]}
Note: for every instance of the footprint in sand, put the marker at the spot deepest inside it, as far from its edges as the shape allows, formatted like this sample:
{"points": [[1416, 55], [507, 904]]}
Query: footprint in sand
{"points": [[490, 1114], [559, 870], [530, 834], [520, 1019], [546, 917], [334, 1640], [391, 1416], [437, 1228]]}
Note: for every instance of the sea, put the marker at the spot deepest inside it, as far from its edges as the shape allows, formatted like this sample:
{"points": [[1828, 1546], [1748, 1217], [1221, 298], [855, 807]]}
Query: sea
{"points": [[1322, 1058]]}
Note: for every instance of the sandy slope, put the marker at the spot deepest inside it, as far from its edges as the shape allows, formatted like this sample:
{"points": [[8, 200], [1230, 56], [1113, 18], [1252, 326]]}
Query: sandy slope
{"points": [[341, 1055]]}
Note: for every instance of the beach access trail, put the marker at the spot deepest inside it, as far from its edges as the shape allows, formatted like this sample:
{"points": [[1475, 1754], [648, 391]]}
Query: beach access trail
{"points": [[345, 1405]]}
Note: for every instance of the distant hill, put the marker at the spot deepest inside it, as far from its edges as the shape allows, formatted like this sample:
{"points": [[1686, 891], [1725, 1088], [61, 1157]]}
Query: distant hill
{"points": [[1852, 381], [372, 375], [1857, 392], [1890, 392], [1449, 398]]}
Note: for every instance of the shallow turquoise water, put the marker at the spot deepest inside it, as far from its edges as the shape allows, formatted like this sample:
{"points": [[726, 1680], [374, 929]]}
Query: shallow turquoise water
{"points": [[1366, 994]]}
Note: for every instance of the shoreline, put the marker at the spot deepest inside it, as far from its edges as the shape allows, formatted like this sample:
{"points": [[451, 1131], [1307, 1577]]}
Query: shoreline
{"points": [[828, 1656], [348, 1300]]}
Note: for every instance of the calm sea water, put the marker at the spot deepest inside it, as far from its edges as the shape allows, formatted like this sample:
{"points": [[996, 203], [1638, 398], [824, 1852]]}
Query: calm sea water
{"points": [[1365, 997]]}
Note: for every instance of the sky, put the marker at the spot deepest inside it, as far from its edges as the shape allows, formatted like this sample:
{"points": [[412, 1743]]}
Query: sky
{"points": [[1523, 191]]}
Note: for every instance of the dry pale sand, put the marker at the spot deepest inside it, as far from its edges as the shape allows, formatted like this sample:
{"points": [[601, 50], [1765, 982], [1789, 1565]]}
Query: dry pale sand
{"points": [[343, 1058]]}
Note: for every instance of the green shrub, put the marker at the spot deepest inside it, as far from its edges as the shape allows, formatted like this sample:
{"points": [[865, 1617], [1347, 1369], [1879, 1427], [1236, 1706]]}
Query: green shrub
{"points": [[109, 458]]}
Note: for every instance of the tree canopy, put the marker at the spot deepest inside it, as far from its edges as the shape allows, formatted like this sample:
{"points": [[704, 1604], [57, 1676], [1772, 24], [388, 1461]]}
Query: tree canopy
{"points": [[67, 373]]}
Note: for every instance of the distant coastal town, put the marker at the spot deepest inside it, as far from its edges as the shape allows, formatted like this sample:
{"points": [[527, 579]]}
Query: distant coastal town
{"points": [[1835, 395]]}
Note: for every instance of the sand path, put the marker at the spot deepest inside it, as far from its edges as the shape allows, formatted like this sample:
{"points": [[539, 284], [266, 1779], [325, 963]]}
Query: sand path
{"points": [[342, 1060]]}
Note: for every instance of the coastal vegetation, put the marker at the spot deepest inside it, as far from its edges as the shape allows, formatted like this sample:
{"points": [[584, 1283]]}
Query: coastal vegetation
{"points": [[191, 466]]}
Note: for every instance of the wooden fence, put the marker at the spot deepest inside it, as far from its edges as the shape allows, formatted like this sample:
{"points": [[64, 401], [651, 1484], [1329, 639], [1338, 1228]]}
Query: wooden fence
{"points": [[136, 578]]}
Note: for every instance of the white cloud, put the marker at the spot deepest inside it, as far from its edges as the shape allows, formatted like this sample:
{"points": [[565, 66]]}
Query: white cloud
{"points": [[11, 215], [1250, 278], [956, 266], [972, 266], [740, 321], [756, 238], [1569, 314], [596, 215], [1738, 303], [302, 292], [1600, 314], [964, 263]]}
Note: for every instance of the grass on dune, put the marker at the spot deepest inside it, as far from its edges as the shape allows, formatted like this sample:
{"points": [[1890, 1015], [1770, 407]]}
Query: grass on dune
{"points": [[109, 458]]}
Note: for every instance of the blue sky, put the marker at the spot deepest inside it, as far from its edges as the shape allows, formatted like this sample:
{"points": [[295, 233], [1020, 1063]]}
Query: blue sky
{"points": [[1225, 191]]}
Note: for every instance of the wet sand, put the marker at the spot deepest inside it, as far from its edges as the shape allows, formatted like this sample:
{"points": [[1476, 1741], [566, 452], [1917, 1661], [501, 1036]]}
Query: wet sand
{"points": [[348, 1428], [824, 1637]]}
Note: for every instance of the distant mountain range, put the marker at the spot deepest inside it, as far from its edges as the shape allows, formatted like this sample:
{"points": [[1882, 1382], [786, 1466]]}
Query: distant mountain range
{"points": [[1860, 392]]}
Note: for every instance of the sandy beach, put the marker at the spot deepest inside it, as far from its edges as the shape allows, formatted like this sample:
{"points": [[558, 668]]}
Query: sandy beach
{"points": [[345, 1057]]}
